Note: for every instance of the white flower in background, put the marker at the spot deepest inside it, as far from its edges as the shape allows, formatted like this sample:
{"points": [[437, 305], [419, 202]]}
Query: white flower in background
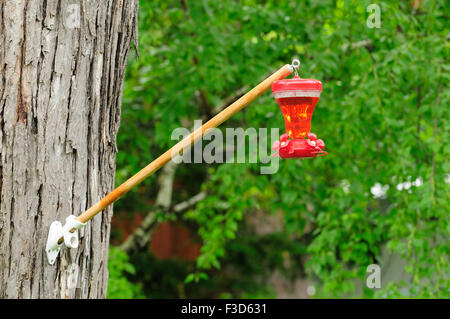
{"points": [[379, 191], [407, 185], [345, 185]]}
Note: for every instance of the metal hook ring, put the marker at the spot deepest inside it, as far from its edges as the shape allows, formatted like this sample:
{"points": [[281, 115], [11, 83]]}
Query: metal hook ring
{"points": [[295, 65]]}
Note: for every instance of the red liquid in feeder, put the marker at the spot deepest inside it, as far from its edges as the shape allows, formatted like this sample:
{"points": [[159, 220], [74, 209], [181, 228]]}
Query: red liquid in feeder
{"points": [[297, 112]]}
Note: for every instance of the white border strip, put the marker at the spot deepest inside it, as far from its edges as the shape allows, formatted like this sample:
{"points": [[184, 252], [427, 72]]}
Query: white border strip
{"points": [[296, 93]]}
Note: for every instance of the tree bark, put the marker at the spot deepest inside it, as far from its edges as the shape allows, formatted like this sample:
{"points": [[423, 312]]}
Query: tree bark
{"points": [[62, 67]]}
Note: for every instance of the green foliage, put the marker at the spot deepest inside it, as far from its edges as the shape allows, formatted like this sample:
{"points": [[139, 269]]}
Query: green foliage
{"points": [[384, 115], [119, 287]]}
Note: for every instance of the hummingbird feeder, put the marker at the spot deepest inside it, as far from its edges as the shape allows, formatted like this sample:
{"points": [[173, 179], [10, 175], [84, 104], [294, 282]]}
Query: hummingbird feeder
{"points": [[297, 99]]}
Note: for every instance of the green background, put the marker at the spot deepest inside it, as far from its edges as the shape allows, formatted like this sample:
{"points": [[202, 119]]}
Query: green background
{"points": [[383, 114]]}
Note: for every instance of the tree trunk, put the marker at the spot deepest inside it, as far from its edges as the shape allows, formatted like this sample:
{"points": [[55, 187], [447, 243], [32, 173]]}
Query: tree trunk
{"points": [[62, 67]]}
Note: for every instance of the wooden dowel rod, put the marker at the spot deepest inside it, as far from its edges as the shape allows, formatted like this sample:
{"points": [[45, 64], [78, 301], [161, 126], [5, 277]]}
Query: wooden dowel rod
{"points": [[183, 144], [186, 142]]}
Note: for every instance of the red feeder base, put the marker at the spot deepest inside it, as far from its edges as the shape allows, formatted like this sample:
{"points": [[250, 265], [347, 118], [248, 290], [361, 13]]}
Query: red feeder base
{"points": [[298, 148]]}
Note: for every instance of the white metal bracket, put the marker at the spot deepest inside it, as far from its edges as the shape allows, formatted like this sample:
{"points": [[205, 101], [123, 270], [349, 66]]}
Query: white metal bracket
{"points": [[58, 231]]}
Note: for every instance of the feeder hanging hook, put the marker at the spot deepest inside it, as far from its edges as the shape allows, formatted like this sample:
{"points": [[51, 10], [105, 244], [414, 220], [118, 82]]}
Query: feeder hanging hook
{"points": [[295, 65]]}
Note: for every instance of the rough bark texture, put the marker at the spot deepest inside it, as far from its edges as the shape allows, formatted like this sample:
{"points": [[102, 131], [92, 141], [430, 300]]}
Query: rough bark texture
{"points": [[60, 97]]}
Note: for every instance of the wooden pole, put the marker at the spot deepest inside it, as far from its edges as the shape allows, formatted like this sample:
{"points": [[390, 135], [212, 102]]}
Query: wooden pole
{"points": [[186, 142]]}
